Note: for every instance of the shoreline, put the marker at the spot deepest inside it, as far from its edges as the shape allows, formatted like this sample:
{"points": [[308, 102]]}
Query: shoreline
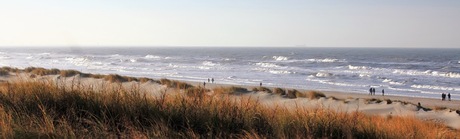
{"points": [[425, 102]]}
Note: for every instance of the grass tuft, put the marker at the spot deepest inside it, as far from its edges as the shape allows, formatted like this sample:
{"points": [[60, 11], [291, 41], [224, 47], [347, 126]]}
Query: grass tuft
{"points": [[279, 91], [315, 94], [229, 90], [175, 84]]}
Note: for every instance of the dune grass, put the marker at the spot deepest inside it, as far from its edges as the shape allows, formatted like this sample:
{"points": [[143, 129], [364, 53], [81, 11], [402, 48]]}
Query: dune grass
{"points": [[174, 84], [229, 90], [43, 110]]}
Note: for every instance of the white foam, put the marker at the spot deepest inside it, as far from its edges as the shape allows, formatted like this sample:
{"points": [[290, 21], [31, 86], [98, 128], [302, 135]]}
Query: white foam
{"points": [[209, 63], [323, 74], [335, 83], [326, 60], [279, 71], [387, 80], [267, 65], [280, 58], [358, 67], [364, 75], [427, 73], [152, 57], [434, 87]]}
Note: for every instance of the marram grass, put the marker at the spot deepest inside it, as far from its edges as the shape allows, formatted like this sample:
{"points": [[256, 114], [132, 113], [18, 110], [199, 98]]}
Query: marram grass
{"points": [[43, 110]]}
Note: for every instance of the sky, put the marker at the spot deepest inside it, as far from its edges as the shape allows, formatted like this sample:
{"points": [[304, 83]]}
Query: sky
{"points": [[321, 23]]}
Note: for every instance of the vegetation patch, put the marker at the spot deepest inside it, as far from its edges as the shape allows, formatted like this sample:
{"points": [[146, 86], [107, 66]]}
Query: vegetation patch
{"points": [[279, 91], [315, 94], [262, 89], [229, 90], [175, 84]]}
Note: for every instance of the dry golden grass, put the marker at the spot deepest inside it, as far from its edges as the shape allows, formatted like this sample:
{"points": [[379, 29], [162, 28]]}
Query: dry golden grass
{"points": [[229, 90], [439, 108], [69, 73], [315, 94], [42, 110], [279, 91], [175, 84], [292, 93], [262, 89]]}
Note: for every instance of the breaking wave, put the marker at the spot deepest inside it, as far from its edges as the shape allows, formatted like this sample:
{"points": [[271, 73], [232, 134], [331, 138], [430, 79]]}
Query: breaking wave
{"points": [[280, 58], [267, 65], [428, 73], [326, 60]]}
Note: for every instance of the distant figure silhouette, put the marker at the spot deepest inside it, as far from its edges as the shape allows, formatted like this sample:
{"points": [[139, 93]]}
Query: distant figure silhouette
{"points": [[212, 80], [209, 80], [370, 91], [448, 96], [419, 106], [443, 96], [373, 91], [383, 92], [260, 84], [204, 84]]}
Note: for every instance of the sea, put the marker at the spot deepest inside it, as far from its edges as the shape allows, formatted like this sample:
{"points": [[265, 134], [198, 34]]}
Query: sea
{"points": [[413, 72]]}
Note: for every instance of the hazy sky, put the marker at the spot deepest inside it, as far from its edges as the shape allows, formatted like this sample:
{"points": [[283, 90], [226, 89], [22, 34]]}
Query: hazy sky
{"points": [[340, 23]]}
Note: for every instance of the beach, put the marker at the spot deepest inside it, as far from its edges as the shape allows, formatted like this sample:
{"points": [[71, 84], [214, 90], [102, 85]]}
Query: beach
{"points": [[433, 110]]}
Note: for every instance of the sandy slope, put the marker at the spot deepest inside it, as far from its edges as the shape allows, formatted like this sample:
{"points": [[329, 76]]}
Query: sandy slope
{"points": [[345, 102]]}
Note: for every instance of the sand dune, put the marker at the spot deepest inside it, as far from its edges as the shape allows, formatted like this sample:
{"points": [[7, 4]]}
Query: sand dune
{"points": [[431, 110]]}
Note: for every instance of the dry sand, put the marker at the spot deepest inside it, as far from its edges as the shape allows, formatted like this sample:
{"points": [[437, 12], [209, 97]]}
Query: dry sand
{"points": [[344, 102]]}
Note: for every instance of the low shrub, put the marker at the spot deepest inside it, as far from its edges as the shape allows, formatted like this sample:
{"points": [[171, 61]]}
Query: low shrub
{"points": [[175, 84], [229, 90], [292, 93], [69, 73], [4, 72], [315, 94], [279, 91]]}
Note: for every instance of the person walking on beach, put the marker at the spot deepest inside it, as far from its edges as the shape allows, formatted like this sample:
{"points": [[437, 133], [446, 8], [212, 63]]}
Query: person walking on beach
{"points": [[448, 96], [209, 80], [373, 91], [370, 91], [212, 80], [260, 84], [443, 96], [383, 92], [204, 84]]}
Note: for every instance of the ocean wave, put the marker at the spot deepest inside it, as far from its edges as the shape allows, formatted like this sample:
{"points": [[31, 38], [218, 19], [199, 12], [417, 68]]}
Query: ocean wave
{"points": [[267, 65], [280, 58], [434, 87], [204, 67], [364, 75], [210, 63], [5, 57], [390, 81], [152, 57], [44, 54], [273, 71], [404, 89], [78, 61], [358, 67], [335, 83], [428, 73], [279, 71], [323, 74], [326, 60]]}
